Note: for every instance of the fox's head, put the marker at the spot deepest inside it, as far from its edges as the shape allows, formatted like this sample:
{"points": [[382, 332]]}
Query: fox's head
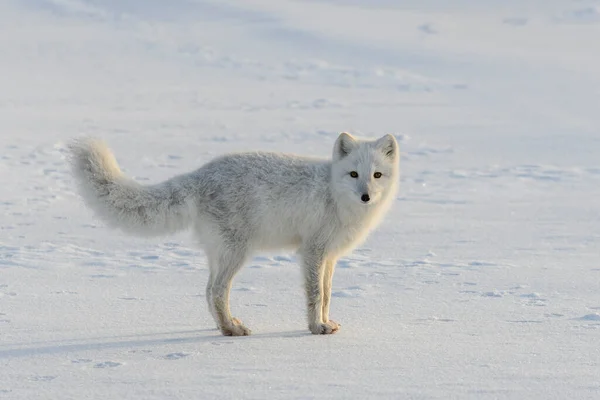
{"points": [[365, 172]]}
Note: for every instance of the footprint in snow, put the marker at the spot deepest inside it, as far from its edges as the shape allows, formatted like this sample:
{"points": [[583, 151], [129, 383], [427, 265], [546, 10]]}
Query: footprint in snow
{"points": [[553, 315], [81, 361], [346, 264], [245, 289], [594, 317], [42, 378], [493, 294], [346, 294], [481, 264], [107, 364], [428, 29], [65, 292], [533, 299], [435, 319], [525, 321], [175, 356], [530, 295], [282, 258]]}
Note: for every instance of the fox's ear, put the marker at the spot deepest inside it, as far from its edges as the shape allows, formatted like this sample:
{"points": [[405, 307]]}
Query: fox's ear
{"points": [[344, 144], [388, 145]]}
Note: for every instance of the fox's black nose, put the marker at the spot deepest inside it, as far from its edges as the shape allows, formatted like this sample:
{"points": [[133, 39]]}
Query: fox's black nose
{"points": [[365, 198]]}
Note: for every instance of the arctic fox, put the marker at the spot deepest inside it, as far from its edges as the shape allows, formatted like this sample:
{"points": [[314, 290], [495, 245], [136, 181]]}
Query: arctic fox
{"points": [[241, 203]]}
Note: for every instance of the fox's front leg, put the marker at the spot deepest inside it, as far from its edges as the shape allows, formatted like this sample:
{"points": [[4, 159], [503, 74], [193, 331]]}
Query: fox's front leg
{"points": [[327, 283], [314, 273]]}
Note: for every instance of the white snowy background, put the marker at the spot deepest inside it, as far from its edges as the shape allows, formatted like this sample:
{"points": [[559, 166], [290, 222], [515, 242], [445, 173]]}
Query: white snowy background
{"points": [[482, 283]]}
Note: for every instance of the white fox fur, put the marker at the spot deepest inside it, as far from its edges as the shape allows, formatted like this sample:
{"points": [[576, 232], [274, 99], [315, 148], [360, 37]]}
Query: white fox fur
{"points": [[242, 203]]}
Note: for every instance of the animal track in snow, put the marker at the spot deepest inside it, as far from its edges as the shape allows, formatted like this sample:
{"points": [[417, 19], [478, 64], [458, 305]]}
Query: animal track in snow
{"points": [[346, 264], [107, 364], [553, 315], [81, 361], [352, 291], [525, 321], [42, 378], [532, 297], [494, 293], [540, 173], [584, 15], [594, 317], [175, 356], [222, 343]]}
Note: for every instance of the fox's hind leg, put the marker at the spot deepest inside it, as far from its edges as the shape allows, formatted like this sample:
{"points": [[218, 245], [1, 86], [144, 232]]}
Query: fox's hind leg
{"points": [[226, 261], [209, 286]]}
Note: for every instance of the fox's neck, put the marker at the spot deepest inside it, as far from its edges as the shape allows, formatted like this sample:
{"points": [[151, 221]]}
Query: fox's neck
{"points": [[350, 213]]}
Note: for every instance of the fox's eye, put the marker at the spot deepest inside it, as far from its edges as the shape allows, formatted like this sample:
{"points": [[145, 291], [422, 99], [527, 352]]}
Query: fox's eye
{"points": [[354, 174], [377, 175]]}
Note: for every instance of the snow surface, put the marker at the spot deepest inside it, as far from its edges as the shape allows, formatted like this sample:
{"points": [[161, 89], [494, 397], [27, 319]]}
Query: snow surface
{"points": [[482, 283]]}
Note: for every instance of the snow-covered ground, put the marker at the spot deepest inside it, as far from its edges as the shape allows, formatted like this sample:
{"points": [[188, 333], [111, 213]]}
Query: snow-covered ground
{"points": [[482, 283]]}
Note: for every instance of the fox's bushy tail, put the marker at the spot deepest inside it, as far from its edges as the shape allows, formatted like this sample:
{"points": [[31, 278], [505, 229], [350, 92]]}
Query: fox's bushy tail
{"points": [[123, 203]]}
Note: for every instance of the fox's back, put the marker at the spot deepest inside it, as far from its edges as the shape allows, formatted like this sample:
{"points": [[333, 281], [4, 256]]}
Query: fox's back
{"points": [[274, 198]]}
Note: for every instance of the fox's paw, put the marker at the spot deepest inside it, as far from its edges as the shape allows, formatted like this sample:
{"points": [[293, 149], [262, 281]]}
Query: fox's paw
{"points": [[334, 325], [326, 328], [235, 328]]}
